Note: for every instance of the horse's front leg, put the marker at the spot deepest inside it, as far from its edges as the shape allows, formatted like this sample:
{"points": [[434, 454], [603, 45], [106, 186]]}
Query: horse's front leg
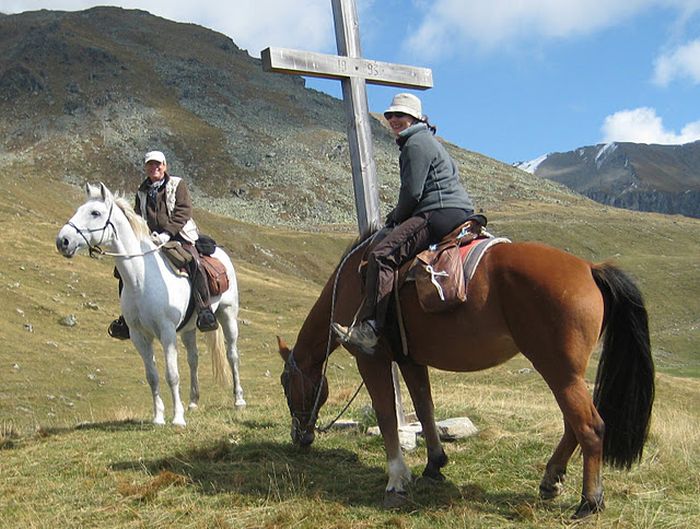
{"points": [[189, 338], [145, 348], [418, 383], [376, 373], [168, 339]]}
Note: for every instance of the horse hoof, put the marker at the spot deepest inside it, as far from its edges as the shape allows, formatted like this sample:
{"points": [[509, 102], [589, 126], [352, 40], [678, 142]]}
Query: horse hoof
{"points": [[192, 406], [240, 404], [549, 492], [179, 422], [394, 499], [586, 508], [434, 475]]}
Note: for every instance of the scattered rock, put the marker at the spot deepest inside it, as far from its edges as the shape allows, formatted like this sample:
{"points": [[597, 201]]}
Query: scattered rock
{"points": [[348, 424], [407, 440], [28, 327], [456, 428], [69, 321], [92, 305]]}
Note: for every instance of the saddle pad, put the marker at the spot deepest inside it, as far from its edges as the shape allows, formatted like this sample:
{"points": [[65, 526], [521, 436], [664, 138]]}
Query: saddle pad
{"points": [[474, 251]]}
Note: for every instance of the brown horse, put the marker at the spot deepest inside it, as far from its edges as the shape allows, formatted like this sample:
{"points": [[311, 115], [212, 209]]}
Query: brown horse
{"points": [[525, 297]]}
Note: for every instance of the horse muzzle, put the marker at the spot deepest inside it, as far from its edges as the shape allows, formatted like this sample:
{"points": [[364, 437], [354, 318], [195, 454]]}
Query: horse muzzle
{"points": [[302, 437], [67, 246]]}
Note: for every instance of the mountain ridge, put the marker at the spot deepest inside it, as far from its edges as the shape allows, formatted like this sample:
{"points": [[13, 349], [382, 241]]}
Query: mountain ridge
{"points": [[645, 177]]}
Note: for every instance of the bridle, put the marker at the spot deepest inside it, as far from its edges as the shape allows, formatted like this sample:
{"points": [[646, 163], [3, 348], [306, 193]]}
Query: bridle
{"points": [[95, 248], [301, 415]]}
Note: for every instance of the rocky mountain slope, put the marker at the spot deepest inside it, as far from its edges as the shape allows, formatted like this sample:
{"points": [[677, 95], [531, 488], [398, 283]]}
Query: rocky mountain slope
{"points": [[84, 94], [661, 178]]}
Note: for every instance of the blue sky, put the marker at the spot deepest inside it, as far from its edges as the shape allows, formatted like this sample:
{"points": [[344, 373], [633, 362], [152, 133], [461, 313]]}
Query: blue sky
{"points": [[514, 79]]}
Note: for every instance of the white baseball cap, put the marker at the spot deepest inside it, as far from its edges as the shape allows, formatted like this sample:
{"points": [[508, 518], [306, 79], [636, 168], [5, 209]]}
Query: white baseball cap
{"points": [[406, 104], [154, 155]]}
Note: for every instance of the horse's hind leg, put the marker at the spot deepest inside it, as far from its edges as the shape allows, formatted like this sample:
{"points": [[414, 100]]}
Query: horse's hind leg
{"points": [[189, 338], [418, 383], [579, 412], [145, 349], [552, 484], [227, 316]]}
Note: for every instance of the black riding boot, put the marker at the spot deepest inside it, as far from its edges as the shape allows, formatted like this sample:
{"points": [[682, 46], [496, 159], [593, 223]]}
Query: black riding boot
{"points": [[206, 320], [119, 329]]}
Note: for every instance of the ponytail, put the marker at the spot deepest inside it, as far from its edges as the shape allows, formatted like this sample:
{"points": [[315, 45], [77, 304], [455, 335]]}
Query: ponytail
{"points": [[432, 128]]}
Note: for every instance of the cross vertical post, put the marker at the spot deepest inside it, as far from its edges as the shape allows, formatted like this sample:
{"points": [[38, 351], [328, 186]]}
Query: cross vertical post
{"points": [[347, 35]]}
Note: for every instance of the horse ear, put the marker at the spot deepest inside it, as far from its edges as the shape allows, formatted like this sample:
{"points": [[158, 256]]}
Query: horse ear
{"points": [[284, 350], [91, 191], [105, 193]]}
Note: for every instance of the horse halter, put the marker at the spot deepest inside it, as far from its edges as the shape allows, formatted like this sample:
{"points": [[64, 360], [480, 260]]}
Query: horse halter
{"points": [[95, 249]]}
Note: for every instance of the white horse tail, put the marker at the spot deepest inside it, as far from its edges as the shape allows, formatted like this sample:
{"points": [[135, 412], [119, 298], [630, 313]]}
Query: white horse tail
{"points": [[219, 363]]}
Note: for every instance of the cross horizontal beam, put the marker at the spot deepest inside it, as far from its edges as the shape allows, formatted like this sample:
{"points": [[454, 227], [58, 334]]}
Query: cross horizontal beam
{"points": [[284, 60]]}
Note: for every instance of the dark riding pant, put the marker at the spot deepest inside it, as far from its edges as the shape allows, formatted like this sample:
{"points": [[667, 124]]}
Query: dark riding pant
{"points": [[403, 243], [199, 279]]}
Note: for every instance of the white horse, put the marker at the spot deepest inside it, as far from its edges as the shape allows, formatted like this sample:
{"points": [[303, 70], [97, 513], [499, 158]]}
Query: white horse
{"points": [[154, 300]]}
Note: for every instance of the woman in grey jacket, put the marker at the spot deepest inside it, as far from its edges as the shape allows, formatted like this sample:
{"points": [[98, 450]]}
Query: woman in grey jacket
{"points": [[432, 202]]}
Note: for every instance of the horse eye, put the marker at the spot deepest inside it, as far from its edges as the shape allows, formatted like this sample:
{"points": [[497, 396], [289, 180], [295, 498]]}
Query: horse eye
{"points": [[95, 213]]}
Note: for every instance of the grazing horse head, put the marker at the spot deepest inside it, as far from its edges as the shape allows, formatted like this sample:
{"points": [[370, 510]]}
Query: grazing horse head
{"points": [[305, 395]]}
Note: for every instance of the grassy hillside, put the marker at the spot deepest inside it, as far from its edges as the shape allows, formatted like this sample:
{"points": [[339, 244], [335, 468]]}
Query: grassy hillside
{"points": [[76, 448]]}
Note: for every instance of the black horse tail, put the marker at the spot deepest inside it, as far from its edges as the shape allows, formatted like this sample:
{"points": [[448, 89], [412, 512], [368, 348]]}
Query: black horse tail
{"points": [[624, 386]]}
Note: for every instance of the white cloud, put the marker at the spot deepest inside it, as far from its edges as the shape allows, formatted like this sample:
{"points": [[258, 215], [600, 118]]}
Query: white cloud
{"points": [[448, 24], [684, 61], [642, 125], [252, 24]]}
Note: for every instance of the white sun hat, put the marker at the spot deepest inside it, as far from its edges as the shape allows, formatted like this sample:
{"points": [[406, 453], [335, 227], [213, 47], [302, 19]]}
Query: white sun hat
{"points": [[406, 104], [154, 155]]}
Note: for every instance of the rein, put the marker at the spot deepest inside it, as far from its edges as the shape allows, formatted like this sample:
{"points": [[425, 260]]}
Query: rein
{"points": [[317, 399]]}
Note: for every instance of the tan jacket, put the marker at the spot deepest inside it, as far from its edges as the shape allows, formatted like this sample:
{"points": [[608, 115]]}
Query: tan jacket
{"points": [[172, 211]]}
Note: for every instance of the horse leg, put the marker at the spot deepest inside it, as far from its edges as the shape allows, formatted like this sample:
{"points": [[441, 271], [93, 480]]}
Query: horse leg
{"points": [[588, 428], [145, 349], [169, 341], [377, 377], [552, 484], [189, 338], [418, 383], [229, 323]]}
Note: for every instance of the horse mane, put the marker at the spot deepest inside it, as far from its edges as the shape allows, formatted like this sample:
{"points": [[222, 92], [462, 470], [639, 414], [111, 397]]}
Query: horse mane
{"points": [[138, 224], [359, 240]]}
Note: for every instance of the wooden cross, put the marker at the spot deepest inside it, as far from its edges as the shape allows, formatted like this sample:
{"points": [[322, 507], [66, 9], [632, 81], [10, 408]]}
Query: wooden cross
{"points": [[354, 72]]}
